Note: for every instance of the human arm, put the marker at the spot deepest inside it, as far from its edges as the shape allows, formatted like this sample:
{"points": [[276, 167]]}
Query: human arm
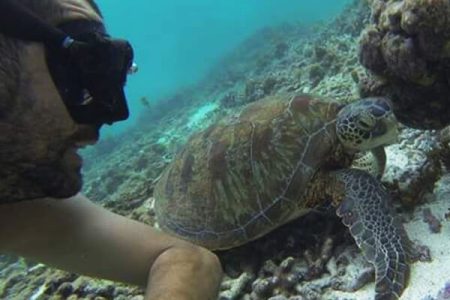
{"points": [[79, 236]]}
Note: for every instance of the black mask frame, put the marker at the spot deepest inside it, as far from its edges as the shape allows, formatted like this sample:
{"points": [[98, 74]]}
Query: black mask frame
{"points": [[91, 81]]}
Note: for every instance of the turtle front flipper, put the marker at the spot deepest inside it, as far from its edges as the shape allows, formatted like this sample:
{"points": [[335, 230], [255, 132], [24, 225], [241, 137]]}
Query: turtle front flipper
{"points": [[366, 210], [373, 161]]}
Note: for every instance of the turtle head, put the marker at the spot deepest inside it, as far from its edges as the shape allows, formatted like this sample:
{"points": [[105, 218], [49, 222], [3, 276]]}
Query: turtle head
{"points": [[367, 124]]}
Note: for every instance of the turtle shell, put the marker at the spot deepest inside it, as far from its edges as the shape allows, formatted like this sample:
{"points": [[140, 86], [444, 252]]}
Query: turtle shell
{"points": [[248, 173]]}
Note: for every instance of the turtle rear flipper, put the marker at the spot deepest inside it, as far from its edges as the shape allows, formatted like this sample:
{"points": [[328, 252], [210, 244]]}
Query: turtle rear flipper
{"points": [[367, 211]]}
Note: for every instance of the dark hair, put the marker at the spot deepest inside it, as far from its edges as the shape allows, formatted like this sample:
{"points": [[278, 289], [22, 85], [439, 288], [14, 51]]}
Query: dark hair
{"points": [[10, 49], [49, 10], [95, 7], [9, 74]]}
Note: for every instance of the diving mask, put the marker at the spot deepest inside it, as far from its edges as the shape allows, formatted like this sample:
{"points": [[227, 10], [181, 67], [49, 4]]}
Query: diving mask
{"points": [[90, 73]]}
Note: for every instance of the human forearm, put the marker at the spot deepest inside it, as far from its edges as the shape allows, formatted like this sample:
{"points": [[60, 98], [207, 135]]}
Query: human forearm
{"points": [[79, 236]]}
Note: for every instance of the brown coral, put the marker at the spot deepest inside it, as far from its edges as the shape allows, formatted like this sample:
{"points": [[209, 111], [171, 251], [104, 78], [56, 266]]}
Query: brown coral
{"points": [[370, 54], [407, 49]]}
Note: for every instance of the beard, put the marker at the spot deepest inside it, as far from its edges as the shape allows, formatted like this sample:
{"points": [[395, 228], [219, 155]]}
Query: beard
{"points": [[55, 182], [59, 179]]}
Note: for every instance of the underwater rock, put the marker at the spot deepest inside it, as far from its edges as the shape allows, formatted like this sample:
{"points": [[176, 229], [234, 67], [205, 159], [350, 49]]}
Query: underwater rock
{"points": [[406, 47], [413, 166]]}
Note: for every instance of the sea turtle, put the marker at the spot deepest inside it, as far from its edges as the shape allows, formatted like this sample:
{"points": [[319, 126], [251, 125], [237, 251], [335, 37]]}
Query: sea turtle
{"points": [[274, 161]]}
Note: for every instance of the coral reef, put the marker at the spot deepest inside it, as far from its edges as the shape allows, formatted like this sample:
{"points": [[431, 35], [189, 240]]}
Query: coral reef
{"points": [[297, 261], [414, 167], [40, 282], [407, 49], [351, 20]]}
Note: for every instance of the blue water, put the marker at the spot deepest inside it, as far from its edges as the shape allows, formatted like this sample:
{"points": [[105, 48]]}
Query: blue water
{"points": [[177, 41]]}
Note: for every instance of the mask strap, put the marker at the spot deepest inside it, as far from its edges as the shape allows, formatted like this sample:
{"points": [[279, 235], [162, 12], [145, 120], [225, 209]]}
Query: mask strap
{"points": [[80, 27]]}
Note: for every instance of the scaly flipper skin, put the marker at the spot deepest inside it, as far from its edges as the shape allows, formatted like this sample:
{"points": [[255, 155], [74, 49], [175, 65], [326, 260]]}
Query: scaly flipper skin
{"points": [[373, 161], [366, 210]]}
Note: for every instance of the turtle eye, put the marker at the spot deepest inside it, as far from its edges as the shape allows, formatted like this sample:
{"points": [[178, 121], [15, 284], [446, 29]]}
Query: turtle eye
{"points": [[378, 112]]}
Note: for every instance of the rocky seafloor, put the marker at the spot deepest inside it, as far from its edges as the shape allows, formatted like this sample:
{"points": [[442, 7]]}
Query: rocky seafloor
{"points": [[311, 258]]}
